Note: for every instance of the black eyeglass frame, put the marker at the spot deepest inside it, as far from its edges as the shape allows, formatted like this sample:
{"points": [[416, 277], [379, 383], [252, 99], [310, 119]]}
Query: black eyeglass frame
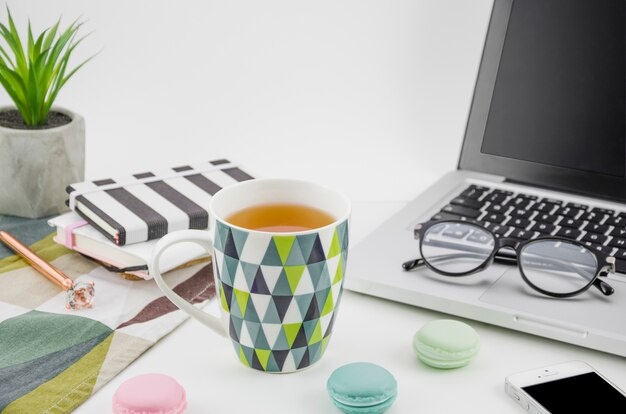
{"points": [[605, 264]]}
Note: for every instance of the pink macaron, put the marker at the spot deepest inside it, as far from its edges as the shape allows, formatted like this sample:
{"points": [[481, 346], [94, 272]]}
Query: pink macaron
{"points": [[150, 394]]}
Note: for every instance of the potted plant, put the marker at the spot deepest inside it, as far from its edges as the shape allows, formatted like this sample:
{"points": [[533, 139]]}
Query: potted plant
{"points": [[42, 147]]}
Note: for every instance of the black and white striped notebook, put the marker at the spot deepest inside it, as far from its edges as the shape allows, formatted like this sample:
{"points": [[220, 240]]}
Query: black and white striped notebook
{"points": [[149, 205]]}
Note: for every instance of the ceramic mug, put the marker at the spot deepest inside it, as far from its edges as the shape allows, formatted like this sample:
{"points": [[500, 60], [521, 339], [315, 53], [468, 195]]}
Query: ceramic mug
{"points": [[278, 292]]}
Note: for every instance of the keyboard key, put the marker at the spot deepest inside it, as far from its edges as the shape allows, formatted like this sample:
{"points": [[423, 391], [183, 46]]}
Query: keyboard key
{"points": [[571, 223], [596, 228], [620, 261], [544, 207], [578, 206], [519, 202], [546, 218], [467, 202], [479, 238], [619, 232], [497, 229], [447, 216], [474, 191], [599, 210], [592, 216], [504, 192], [520, 223], [569, 233], [456, 233], [461, 211], [569, 212], [595, 238], [497, 208], [619, 243], [594, 246], [605, 249], [521, 213], [495, 198], [521, 234], [496, 218], [528, 196], [543, 228], [616, 221], [551, 201]]}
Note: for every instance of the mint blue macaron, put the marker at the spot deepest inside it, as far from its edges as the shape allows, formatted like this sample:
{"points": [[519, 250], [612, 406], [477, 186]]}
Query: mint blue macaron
{"points": [[446, 344], [362, 387]]}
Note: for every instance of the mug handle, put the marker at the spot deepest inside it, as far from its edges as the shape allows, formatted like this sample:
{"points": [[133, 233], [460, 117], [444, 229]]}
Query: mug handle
{"points": [[202, 238]]}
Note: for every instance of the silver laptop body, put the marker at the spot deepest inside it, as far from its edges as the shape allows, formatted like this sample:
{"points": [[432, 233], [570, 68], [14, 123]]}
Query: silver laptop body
{"points": [[498, 295]]}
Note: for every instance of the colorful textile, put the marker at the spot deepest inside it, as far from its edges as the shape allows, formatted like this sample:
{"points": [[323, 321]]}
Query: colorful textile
{"points": [[52, 359]]}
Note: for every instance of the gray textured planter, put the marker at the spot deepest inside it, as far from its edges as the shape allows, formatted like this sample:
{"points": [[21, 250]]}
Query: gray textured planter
{"points": [[37, 165]]}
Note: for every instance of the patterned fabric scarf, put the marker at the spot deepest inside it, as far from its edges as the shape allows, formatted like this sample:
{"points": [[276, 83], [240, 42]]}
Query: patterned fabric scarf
{"points": [[52, 359]]}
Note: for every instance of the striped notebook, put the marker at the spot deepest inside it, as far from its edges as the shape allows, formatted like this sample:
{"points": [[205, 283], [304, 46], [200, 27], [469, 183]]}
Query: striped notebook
{"points": [[149, 205]]}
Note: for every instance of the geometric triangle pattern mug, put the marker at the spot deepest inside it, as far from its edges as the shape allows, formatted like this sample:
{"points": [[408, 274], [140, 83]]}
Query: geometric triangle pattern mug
{"points": [[278, 292]]}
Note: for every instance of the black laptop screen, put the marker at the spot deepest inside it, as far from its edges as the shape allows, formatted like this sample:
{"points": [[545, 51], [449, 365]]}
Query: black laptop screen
{"points": [[559, 95]]}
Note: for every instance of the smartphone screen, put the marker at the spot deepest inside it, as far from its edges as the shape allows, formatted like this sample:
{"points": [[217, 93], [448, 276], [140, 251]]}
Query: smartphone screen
{"points": [[587, 392]]}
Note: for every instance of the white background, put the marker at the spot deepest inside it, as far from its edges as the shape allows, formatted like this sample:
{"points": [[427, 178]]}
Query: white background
{"points": [[349, 93], [369, 97]]}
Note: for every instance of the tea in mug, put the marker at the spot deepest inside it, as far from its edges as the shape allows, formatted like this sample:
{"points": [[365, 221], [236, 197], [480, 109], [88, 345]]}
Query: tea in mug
{"points": [[281, 218]]}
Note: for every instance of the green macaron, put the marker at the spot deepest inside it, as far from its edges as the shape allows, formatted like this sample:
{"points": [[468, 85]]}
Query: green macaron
{"points": [[362, 388], [446, 343]]}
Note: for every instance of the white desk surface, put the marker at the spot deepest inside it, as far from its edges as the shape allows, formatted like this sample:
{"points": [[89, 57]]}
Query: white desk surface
{"points": [[369, 97], [367, 329]]}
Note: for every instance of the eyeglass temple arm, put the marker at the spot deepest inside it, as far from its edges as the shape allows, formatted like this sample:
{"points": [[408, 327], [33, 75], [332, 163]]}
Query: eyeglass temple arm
{"points": [[412, 264], [509, 257]]}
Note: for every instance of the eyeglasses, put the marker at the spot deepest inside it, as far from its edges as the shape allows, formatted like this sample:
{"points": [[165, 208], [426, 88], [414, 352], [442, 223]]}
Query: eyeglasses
{"points": [[553, 266]]}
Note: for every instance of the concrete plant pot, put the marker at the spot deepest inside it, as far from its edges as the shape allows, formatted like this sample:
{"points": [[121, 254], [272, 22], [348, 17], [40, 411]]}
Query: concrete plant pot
{"points": [[37, 164]]}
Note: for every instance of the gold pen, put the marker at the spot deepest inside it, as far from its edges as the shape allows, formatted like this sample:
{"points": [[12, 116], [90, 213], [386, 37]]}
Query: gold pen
{"points": [[79, 295]]}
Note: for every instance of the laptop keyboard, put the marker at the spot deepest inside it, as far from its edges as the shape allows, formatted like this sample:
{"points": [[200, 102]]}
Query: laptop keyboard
{"points": [[526, 217]]}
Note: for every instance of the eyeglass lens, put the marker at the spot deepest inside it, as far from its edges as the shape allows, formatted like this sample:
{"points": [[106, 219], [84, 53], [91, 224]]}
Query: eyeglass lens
{"points": [[456, 248], [558, 266]]}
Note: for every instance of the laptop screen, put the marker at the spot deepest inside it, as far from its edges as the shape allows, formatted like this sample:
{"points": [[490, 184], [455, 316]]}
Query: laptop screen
{"points": [[549, 106], [559, 94]]}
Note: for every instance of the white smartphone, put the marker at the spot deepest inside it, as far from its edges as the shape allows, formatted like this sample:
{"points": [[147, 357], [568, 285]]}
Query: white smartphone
{"points": [[571, 387]]}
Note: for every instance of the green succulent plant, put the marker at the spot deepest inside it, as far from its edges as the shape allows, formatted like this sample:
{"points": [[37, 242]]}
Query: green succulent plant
{"points": [[34, 76]]}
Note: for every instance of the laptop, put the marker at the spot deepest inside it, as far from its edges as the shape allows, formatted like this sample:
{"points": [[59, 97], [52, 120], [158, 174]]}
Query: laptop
{"points": [[544, 153]]}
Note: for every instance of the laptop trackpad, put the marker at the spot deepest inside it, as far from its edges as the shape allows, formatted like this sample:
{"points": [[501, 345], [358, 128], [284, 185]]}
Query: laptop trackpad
{"points": [[589, 310]]}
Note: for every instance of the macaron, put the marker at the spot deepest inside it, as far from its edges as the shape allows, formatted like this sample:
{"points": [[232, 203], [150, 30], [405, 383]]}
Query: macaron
{"points": [[150, 394], [446, 343], [362, 387]]}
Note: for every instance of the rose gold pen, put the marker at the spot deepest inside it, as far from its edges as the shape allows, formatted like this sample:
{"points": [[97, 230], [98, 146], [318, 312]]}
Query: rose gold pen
{"points": [[79, 295]]}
